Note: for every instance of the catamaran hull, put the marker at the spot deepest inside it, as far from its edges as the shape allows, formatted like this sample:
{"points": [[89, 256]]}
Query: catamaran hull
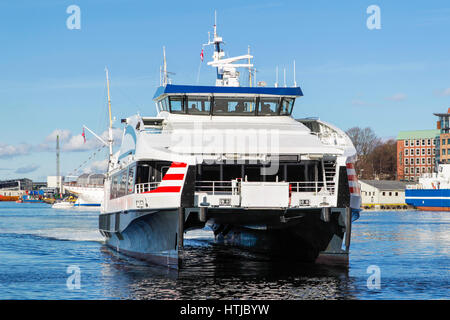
{"points": [[301, 236], [150, 235]]}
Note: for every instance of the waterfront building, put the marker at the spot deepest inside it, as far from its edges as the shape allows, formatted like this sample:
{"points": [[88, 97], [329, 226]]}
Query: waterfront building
{"points": [[17, 184], [443, 142], [416, 153], [383, 194]]}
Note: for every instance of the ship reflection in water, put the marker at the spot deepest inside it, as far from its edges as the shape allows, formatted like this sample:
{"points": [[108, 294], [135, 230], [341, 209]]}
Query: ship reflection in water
{"points": [[39, 244], [215, 272], [410, 248]]}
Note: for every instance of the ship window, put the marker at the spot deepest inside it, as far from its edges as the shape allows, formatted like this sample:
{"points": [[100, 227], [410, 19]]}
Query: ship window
{"points": [[198, 105], [123, 184], [176, 105], [164, 104], [268, 107], [234, 106], [286, 106], [131, 172]]}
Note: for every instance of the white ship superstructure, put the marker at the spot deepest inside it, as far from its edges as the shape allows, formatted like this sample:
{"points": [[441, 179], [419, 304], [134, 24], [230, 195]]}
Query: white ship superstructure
{"points": [[235, 159]]}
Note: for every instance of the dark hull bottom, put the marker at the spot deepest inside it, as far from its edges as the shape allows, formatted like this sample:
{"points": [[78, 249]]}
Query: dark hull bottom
{"points": [[304, 239], [162, 260], [152, 237]]}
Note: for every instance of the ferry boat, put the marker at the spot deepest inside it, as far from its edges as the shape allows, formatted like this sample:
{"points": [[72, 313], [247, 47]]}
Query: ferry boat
{"points": [[88, 188], [232, 158], [432, 192]]}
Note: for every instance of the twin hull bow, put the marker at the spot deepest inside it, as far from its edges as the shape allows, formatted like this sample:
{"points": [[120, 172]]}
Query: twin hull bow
{"points": [[296, 201]]}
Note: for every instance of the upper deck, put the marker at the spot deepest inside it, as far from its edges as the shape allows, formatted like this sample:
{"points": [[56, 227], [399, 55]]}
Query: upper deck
{"points": [[226, 101]]}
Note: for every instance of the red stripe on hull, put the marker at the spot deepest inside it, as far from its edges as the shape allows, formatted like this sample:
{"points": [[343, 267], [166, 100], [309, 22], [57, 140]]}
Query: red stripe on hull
{"points": [[350, 166], [173, 176], [178, 165], [434, 208], [165, 189]]}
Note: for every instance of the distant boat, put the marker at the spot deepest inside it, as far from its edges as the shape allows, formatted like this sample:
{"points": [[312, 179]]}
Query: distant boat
{"points": [[89, 190], [432, 192]]}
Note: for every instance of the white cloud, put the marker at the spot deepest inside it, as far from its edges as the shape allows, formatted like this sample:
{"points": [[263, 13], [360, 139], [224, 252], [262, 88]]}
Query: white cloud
{"points": [[359, 102], [10, 151], [27, 169], [97, 167], [443, 93], [397, 97], [76, 143], [64, 134]]}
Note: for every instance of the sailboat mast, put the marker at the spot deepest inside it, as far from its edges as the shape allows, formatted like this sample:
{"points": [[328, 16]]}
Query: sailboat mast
{"points": [[110, 139]]}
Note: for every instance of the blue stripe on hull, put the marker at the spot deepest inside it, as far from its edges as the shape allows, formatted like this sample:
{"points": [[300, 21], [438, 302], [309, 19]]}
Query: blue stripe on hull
{"points": [[87, 205], [428, 197]]}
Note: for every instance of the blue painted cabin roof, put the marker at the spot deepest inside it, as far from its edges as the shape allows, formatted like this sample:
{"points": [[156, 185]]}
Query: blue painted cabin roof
{"points": [[284, 91]]}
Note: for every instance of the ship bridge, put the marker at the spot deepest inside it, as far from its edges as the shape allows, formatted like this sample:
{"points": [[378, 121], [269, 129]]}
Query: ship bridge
{"points": [[226, 101]]}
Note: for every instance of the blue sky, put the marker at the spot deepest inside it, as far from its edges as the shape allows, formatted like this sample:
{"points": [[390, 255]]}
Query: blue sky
{"points": [[52, 78]]}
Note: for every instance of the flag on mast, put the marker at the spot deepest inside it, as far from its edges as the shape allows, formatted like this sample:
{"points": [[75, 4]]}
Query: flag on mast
{"points": [[84, 136], [201, 55]]}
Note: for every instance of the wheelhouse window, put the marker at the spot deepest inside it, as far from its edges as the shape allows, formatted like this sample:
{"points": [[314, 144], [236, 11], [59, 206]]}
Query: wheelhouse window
{"points": [[286, 106], [234, 106], [164, 104], [268, 107], [176, 104], [198, 105]]}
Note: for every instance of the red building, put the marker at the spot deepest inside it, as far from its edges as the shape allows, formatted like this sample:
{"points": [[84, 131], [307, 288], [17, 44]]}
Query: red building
{"points": [[416, 152]]}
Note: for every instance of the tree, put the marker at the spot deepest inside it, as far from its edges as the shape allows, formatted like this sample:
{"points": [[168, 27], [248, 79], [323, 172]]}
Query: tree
{"points": [[376, 159], [365, 140]]}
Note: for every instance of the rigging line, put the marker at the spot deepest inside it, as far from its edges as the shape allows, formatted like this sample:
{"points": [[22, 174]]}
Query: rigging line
{"points": [[198, 72]]}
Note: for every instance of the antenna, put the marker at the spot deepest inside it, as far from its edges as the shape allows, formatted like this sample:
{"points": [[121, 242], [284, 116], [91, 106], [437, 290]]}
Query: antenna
{"points": [[227, 75], [165, 67], [295, 82], [249, 67], [276, 82], [110, 133], [58, 181]]}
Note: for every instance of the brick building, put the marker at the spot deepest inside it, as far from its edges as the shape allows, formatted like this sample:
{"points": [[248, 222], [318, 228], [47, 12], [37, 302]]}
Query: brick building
{"points": [[416, 153], [443, 143]]}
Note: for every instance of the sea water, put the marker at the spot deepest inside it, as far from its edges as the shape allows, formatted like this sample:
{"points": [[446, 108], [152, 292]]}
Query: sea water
{"points": [[50, 253]]}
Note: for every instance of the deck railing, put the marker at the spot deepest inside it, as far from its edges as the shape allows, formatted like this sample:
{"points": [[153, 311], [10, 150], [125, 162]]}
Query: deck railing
{"points": [[215, 187], [228, 187], [312, 186], [145, 187]]}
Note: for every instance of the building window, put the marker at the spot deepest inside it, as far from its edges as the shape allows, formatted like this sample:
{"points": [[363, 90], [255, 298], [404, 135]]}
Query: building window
{"points": [[396, 194], [429, 160], [434, 151], [406, 152], [417, 160], [443, 152], [417, 170], [428, 151], [406, 170], [423, 142], [406, 161], [406, 143], [423, 151], [423, 170], [417, 142], [423, 160], [384, 193], [417, 152], [428, 142], [443, 141]]}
